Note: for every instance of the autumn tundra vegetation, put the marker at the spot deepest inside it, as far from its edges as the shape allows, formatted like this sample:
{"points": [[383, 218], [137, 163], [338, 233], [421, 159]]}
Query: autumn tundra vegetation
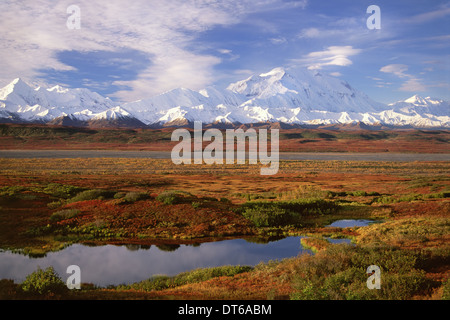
{"points": [[49, 204]]}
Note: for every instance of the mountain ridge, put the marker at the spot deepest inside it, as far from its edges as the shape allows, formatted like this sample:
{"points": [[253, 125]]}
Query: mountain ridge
{"points": [[292, 96]]}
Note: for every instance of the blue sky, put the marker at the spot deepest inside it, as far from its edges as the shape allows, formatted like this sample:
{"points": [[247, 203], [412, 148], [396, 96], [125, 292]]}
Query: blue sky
{"points": [[134, 50]]}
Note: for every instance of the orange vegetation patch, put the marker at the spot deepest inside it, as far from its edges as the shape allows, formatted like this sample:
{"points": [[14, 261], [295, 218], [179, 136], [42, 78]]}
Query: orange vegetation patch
{"points": [[153, 219], [264, 282], [434, 208]]}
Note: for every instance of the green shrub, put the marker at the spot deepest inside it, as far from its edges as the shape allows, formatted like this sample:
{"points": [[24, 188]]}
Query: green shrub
{"points": [[339, 273], [135, 196], [64, 214], [11, 191], [174, 197], [359, 193], [446, 290], [196, 204], [443, 194], [54, 204], [119, 195], [266, 216], [62, 190], [92, 195], [43, 282], [279, 213], [333, 194]]}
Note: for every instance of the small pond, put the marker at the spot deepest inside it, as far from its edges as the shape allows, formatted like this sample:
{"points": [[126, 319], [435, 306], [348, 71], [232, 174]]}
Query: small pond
{"points": [[348, 223], [114, 265]]}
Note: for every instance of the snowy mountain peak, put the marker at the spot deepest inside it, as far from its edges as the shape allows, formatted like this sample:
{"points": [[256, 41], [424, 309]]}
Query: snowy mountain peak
{"points": [[17, 85], [276, 72], [111, 114], [58, 89], [305, 89], [44, 105], [18, 81], [262, 86], [418, 100], [424, 107]]}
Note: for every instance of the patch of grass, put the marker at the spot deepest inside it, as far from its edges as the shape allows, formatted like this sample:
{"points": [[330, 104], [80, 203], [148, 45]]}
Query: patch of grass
{"points": [[54, 204], [64, 214], [89, 232], [281, 213], [164, 282], [438, 195], [92, 195], [267, 215], [387, 199], [11, 191], [314, 244], [257, 196], [300, 192], [119, 195], [446, 290], [408, 230], [61, 190], [339, 273], [131, 197], [174, 197], [196, 204], [358, 193]]}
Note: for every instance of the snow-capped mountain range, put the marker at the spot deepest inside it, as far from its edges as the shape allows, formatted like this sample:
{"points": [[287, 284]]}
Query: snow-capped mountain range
{"points": [[292, 96]]}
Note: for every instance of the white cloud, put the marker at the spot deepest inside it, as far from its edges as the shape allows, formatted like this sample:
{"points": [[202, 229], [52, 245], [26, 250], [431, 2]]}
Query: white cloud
{"points": [[412, 84], [244, 72], [224, 51], [374, 78], [330, 32], [34, 32], [310, 33], [229, 54], [279, 40], [332, 56], [397, 69], [430, 16]]}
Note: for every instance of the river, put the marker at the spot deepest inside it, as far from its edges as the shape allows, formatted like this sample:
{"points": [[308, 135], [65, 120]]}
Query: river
{"points": [[401, 157]]}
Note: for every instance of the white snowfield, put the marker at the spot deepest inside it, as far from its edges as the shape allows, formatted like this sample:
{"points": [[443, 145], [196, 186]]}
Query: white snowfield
{"points": [[293, 96]]}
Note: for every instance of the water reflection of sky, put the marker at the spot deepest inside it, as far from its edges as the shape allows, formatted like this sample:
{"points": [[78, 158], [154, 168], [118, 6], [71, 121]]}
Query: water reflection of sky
{"points": [[109, 264], [350, 223]]}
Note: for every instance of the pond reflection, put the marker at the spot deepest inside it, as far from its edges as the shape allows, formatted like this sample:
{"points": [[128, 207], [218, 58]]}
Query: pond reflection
{"points": [[348, 223], [113, 265]]}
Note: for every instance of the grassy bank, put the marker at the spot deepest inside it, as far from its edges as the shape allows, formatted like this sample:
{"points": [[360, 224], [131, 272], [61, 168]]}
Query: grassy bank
{"points": [[337, 272]]}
